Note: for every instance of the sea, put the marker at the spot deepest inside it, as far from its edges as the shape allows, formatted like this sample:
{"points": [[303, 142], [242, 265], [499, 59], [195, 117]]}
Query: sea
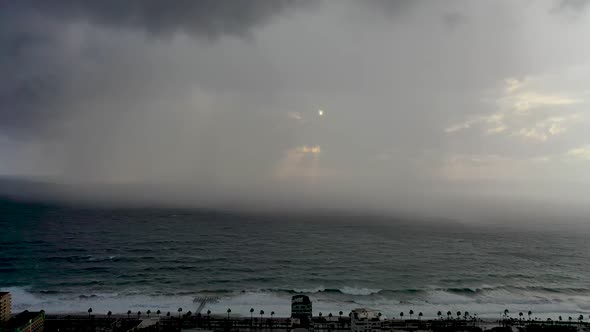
{"points": [[66, 259]]}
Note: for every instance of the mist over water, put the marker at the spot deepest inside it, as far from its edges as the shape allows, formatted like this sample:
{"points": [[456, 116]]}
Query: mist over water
{"points": [[65, 259]]}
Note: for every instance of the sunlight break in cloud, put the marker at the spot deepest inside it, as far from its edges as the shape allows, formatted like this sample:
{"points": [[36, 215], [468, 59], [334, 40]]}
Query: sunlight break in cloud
{"points": [[515, 116], [512, 85], [525, 102], [295, 116], [544, 129], [309, 149], [582, 153], [302, 161], [494, 121]]}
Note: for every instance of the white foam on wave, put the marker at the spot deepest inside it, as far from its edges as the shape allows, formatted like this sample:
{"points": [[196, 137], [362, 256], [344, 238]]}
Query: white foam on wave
{"points": [[359, 291], [310, 290], [344, 290]]}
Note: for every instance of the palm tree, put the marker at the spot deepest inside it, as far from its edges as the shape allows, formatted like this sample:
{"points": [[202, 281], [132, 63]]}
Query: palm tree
{"points": [[228, 312], [560, 318], [449, 314], [261, 313], [109, 314], [168, 314], [580, 318], [520, 314], [340, 314], [465, 315], [208, 313], [330, 315], [420, 315], [189, 313], [179, 311], [148, 313], [506, 312], [158, 313], [251, 316], [439, 314], [529, 314], [411, 313], [569, 318], [138, 314], [401, 315], [128, 314], [320, 314], [458, 314], [89, 312]]}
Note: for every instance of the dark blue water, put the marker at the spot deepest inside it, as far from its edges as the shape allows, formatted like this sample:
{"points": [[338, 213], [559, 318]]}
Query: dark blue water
{"points": [[66, 259]]}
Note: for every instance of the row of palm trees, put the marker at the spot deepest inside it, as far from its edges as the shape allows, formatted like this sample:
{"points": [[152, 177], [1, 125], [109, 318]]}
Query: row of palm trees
{"points": [[466, 315], [411, 312], [148, 312], [272, 314]]}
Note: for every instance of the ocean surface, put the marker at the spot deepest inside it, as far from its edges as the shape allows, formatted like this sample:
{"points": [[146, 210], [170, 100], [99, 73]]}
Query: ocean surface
{"points": [[69, 259]]}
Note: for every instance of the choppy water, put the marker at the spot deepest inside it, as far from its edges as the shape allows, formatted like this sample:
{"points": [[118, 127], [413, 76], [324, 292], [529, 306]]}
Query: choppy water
{"points": [[64, 259]]}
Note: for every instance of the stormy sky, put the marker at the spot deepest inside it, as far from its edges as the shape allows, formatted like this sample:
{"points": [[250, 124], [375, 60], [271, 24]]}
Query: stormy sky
{"points": [[274, 103]]}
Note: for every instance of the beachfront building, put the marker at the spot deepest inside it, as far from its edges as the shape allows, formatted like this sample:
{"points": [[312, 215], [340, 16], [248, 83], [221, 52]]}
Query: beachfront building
{"points": [[26, 321], [301, 307], [5, 306], [301, 310], [365, 320], [327, 323]]}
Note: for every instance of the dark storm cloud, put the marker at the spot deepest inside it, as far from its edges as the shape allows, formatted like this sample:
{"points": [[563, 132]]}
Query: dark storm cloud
{"points": [[35, 69], [209, 18]]}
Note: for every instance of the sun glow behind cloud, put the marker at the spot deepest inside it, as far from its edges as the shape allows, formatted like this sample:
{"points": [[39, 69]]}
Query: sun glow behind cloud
{"points": [[300, 162]]}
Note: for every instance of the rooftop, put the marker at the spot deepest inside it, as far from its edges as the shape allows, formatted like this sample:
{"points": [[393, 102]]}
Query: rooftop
{"points": [[21, 319], [366, 314], [303, 299]]}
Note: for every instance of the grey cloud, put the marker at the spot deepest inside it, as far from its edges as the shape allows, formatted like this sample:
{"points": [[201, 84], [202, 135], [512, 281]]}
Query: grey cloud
{"points": [[153, 99], [209, 18], [35, 62], [577, 5], [454, 19]]}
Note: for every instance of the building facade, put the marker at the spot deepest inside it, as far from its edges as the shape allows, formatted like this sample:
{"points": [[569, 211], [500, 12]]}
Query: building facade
{"points": [[301, 307], [364, 320], [301, 310], [5, 306]]}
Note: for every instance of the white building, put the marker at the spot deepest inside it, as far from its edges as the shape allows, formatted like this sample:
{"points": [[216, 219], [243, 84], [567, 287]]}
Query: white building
{"points": [[365, 320]]}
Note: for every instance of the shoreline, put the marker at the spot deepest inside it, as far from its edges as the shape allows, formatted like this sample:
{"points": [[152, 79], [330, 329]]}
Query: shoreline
{"points": [[241, 302]]}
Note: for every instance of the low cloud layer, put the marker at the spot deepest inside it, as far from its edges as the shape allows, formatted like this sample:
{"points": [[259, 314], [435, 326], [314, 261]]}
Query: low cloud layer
{"points": [[383, 105]]}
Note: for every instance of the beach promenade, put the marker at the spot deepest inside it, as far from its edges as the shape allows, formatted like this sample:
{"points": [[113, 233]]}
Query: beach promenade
{"points": [[116, 323]]}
